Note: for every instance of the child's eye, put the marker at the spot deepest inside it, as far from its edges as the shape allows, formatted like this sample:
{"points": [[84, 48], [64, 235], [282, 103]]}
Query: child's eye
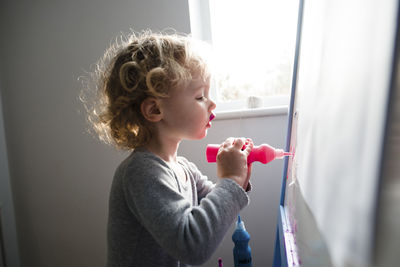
{"points": [[200, 98]]}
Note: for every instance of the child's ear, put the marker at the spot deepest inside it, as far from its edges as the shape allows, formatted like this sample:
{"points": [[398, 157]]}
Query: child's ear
{"points": [[150, 109]]}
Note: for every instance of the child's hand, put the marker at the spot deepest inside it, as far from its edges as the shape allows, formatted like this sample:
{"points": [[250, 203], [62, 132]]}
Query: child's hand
{"points": [[232, 160]]}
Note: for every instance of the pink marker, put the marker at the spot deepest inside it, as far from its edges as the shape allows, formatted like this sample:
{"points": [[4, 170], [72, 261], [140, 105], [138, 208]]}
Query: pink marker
{"points": [[220, 262], [263, 153]]}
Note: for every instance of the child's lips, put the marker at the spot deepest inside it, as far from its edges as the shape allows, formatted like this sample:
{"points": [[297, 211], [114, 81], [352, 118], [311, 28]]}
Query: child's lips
{"points": [[212, 116]]}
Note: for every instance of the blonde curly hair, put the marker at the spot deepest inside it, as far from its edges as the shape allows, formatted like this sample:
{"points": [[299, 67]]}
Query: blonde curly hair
{"points": [[136, 67]]}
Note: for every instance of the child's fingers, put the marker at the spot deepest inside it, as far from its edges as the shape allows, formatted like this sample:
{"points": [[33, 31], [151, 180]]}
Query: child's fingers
{"points": [[249, 140], [239, 143], [249, 147], [228, 142]]}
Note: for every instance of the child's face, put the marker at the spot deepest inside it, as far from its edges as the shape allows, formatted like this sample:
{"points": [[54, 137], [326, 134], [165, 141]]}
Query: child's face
{"points": [[187, 111]]}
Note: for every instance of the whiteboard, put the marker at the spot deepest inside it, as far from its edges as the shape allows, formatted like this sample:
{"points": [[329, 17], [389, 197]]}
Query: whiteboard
{"points": [[337, 125]]}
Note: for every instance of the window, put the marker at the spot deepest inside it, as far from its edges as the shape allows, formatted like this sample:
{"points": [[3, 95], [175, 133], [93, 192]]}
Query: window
{"points": [[253, 43]]}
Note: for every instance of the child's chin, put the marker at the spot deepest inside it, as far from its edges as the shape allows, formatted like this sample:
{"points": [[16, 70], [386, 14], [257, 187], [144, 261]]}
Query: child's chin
{"points": [[201, 136], [205, 134]]}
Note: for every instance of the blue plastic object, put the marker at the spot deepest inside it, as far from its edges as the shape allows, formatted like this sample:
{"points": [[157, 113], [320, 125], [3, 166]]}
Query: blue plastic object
{"points": [[242, 250]]}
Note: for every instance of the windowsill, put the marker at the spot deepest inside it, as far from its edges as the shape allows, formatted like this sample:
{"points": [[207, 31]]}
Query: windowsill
{"points": [[250, 113]]}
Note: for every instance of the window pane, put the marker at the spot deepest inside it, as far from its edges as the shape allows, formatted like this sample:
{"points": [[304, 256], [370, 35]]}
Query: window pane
{"points": [[254, 44]]}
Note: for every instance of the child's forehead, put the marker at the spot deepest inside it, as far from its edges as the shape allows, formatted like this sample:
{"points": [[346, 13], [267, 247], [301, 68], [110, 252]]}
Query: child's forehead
{"points": [[200, 82], [197, 83], [201, 73], [193, 85]]}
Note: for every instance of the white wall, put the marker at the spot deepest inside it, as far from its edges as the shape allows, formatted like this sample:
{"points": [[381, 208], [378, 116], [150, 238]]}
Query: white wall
{"points": [[60, 176]]}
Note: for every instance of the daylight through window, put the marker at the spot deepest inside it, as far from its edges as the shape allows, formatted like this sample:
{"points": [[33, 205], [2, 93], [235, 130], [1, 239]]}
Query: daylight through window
{"points": [[253, 44]]}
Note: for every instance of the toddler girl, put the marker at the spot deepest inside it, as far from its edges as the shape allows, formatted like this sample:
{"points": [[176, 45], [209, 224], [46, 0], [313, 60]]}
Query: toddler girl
{"points": [[154, 93]]}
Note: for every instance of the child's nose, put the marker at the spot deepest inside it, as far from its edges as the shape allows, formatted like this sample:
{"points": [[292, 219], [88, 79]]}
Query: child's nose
{"points": [[212, 105]]}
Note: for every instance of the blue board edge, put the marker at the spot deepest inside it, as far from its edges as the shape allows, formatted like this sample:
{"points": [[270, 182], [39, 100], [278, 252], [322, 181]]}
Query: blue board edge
{"points": [[280, 257]]}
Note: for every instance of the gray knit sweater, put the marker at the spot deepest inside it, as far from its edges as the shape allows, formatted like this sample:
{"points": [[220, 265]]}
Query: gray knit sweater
{"points": [[156, 220]]}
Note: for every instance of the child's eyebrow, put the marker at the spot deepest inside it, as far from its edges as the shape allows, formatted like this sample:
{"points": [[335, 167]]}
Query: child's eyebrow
{"points": [[201, 86]]}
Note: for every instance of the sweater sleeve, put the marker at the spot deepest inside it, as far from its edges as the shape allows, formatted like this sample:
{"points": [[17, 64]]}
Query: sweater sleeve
{"points": [[188, 233]]}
